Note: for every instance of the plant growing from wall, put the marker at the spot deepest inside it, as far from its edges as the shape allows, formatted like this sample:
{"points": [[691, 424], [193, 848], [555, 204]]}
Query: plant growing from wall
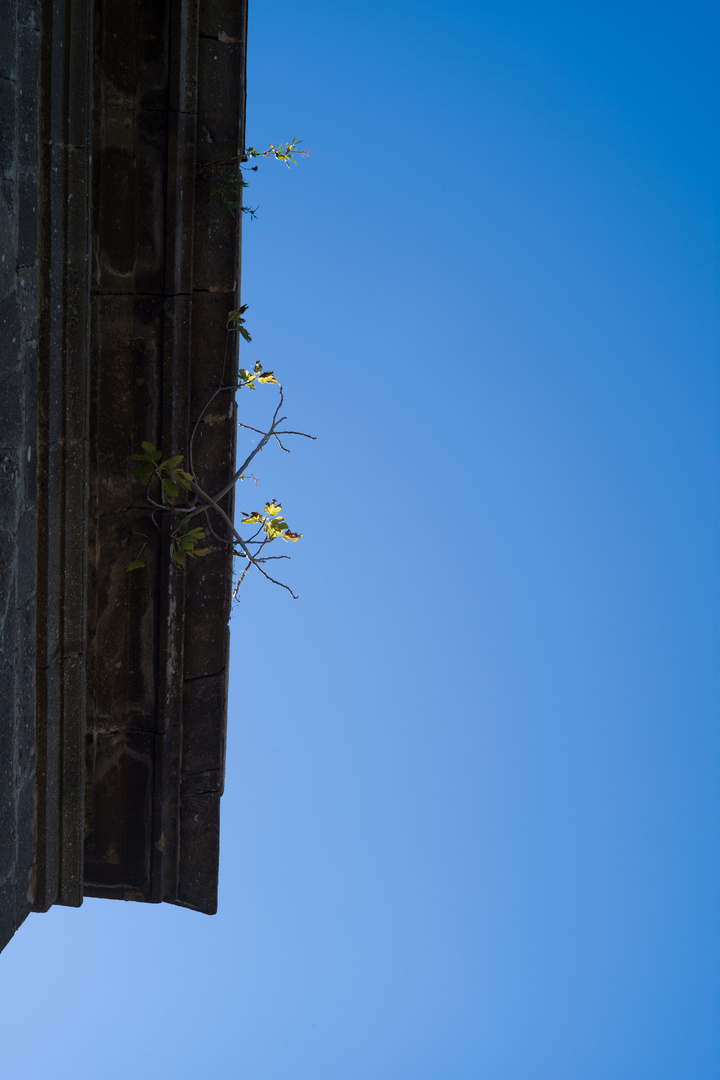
{"points": [[177, 491], [227, 177], [172, 489]]}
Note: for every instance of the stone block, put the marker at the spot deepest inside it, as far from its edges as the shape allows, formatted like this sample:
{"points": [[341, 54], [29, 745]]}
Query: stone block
{"points": [[10, 487], [27, 292], [26, 545], [8, 41], [29, 13], [203, 744], [219, 100], [12, 413], [118, 813], [134, 54], [207, 605], [216, 247], [8, 129], [25, 700], [224, 20], [28, 101], [131, 212], [8, 239], [199, 850], [27, 219], [8, 924], [11, 331]]}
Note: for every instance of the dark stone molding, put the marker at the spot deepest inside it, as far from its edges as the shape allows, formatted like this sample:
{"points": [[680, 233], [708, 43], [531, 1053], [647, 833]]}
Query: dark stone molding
{"points": [[19, 174], [135, 273], [63, 372]]}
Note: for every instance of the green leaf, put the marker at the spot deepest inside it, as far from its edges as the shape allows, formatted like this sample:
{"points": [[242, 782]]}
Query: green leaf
{"points": [[274, 527], [143, 475], [172, 462], [151, 451], [170, 488], [136, 564], [184, 479], [244, 333]]}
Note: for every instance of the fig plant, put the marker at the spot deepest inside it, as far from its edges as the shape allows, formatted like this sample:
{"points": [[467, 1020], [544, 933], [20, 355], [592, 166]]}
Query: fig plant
{"points": [[227, 176], [172, 489]]}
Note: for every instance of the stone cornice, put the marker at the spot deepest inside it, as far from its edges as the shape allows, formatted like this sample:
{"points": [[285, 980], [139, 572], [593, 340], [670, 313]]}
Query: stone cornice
{"points": [[137, 267]]}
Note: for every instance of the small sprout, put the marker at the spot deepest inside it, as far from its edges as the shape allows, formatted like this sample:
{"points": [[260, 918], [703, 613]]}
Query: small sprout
{"points": [[235, 321], [184, 542]]}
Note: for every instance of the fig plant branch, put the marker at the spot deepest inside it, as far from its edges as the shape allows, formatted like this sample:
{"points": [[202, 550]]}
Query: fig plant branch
{"points": [[180, 492], [227, 176]]}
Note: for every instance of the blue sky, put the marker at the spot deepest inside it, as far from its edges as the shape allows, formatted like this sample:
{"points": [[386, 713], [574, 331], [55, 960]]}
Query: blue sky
{"points": [[471, 818]]}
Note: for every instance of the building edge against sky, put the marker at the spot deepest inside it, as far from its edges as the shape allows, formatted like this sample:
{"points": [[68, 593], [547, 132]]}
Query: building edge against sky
{"points": [[118, 271]]}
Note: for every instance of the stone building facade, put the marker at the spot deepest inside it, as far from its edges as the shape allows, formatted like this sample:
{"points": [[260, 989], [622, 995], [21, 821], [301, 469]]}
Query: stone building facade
{"points": [[118, 267]]}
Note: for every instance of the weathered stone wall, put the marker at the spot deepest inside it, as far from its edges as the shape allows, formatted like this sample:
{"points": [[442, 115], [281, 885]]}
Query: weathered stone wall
{"points": [[116, 275], [169, 100], [19, 73]]}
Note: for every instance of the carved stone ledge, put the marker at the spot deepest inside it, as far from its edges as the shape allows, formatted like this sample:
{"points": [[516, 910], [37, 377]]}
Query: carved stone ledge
{"points": [[118, 683]]}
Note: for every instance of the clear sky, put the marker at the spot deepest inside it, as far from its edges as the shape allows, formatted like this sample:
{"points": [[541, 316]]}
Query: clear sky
{"points": [[471, 822]]}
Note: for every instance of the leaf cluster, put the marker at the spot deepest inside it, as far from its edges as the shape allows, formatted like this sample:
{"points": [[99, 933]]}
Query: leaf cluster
{"points": [[236, 321], [249, 378], [228, 179], [173, 479], [184, 543], [271, 523], [284, 152]]}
